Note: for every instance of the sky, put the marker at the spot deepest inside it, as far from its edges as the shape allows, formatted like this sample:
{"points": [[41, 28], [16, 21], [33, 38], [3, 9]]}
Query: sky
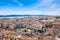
{"points": [[29, 7]]}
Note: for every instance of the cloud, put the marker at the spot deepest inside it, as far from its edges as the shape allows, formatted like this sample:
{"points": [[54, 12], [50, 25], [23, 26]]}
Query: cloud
{"points": [[46, 2], [52, 13], [44, 7], [43, 3], [28, 12], [19, 3]]}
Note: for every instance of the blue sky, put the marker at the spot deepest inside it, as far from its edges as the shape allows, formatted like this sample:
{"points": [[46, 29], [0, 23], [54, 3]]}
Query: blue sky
{"points": [[30, 7]]}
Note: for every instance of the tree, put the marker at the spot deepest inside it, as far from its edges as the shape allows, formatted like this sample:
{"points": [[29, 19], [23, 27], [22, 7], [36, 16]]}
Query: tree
{"points": [[7, 27], [19, 26], [11, 38], [49, 26], [1, 25], [41, 31]]}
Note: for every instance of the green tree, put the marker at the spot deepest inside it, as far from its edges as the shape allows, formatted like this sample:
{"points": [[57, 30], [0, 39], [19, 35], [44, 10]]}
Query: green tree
{"points": [[41, 31], [1, 25], [19, 26], [49, 25], [11, 38]]}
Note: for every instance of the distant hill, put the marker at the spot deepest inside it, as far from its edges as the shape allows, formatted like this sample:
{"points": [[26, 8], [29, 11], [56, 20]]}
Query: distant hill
{"points": [[19, 15]]}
